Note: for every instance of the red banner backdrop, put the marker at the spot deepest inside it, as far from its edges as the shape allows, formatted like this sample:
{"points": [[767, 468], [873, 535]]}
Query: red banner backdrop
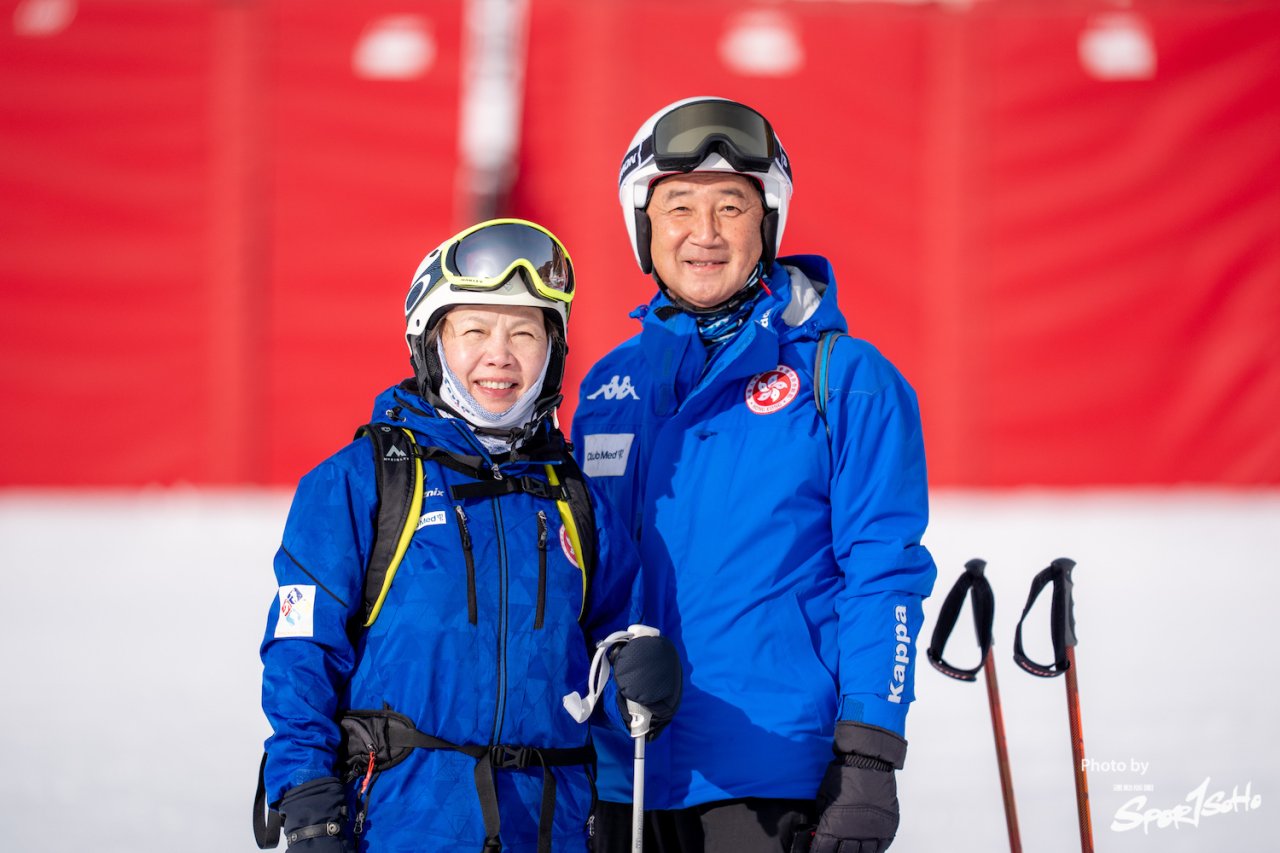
{"points": [[1062, 222]]}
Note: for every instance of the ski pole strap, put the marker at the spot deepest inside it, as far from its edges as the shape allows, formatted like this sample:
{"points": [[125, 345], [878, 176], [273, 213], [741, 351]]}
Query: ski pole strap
{"points": [[984, 607], [1062, 620], [266, 821]]}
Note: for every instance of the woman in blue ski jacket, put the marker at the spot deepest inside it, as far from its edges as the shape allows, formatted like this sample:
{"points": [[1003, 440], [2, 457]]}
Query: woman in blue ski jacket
{"points": [[425, 712], [780, 543]]}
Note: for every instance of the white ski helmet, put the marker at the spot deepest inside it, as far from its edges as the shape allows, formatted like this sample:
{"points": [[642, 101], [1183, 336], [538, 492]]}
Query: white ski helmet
{"points": [[497, 262], [704, 134]]}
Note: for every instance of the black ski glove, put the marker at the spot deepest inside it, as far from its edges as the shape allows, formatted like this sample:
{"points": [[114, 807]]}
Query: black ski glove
{"points": [[315, 817], [858, 797], [647, 671]]}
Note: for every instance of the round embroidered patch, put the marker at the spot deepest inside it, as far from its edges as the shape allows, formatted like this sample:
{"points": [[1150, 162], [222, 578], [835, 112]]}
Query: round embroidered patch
{"points": [[567, 546], [772, 390]]}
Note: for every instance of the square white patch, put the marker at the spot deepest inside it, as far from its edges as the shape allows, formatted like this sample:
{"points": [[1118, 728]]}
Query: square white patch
{"points": [[297, 611], [606, 453], [429, 518]]}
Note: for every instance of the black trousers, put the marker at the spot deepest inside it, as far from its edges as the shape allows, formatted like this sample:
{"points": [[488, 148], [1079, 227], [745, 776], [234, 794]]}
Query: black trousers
{"points": [[750, 825]]}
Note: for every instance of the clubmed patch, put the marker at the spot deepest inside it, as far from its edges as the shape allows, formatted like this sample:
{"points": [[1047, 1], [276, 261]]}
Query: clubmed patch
{"points": [[297, 611], [772, 390], [429, 518], [605, 453]]}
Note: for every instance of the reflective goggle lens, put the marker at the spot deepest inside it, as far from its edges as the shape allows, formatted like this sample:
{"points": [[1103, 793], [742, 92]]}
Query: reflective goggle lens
{"points": [[486, 258], [683, 137]]}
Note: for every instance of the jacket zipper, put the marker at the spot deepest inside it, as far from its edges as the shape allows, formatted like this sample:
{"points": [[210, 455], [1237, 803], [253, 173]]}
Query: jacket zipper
{"points": [[471, 563], [499, 709], [542, 570]]}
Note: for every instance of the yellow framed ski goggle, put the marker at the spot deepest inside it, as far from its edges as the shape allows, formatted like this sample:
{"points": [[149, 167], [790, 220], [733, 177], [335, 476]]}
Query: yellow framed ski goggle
{"points": [[485, 256]]}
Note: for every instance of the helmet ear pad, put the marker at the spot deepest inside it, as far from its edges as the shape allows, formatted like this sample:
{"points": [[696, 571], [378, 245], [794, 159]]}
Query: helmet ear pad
{"points": [[769, 234], [426, 362], [644, 240]]}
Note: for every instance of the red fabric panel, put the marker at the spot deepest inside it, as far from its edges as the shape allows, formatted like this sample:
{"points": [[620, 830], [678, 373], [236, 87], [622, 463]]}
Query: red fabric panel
{"points": [[210, 219], [362, 187], [102, 245], [856, 146], [1078, 275], [1124, 254]]}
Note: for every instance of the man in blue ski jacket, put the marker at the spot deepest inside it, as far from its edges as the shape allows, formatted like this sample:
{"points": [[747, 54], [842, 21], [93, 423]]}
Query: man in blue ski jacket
{"points": [[780, 543]]}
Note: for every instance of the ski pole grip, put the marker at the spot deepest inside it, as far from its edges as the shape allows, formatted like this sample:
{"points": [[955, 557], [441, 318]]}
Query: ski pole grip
{"points": [[641, 716], [972, 580], [1062, 619]]}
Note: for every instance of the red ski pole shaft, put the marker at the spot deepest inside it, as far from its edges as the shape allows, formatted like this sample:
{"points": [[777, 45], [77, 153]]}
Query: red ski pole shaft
{"points": [[1002, 755], [1077, 754]]}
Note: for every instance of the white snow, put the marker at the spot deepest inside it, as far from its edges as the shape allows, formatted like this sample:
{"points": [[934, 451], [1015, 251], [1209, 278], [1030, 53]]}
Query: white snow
{"points": [[129, 626]]}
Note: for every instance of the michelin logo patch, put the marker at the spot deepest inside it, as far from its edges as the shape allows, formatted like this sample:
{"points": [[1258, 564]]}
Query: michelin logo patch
{"points": [[297, 611], [606, 453]]}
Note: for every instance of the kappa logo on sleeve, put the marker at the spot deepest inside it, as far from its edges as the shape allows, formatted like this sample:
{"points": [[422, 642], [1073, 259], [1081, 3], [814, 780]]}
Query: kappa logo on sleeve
{"points": [[297, 611], [606, 453]]}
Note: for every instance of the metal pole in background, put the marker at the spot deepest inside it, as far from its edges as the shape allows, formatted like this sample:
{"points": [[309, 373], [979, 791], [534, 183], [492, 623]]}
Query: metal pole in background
{"points": [[491, 102]]}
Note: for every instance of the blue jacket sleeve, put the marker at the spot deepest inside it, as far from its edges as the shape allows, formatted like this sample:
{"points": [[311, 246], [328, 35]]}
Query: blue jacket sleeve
{"points": [[879, 498], [615, 597], [307, 655]]}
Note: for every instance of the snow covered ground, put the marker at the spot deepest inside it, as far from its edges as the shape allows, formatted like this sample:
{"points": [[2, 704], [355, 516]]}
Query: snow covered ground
{"points": [[129, 626]]}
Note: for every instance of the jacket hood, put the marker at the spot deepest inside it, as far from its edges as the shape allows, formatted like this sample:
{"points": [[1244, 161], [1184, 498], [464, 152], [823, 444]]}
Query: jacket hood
{"points": [[806, 285]]}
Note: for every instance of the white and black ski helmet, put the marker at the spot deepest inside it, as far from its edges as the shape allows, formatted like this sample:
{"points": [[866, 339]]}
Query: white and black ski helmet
{"points": [[497, 262], [704, 134]]}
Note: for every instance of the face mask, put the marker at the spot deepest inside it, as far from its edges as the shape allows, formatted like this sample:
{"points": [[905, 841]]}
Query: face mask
{"points": [[460, 400]]}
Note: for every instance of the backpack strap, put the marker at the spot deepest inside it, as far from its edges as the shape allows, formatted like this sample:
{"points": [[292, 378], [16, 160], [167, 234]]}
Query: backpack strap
{"points": [[822, 373], [399, 476], [577, 513]]}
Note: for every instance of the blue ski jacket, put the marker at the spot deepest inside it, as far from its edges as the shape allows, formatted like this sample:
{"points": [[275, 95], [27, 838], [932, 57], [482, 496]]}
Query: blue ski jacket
{"points": [[784, 562], [457, 648]]}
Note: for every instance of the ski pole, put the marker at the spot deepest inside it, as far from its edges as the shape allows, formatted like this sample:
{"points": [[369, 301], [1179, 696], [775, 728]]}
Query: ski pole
{"points": [[580, 708], [639, 726], [1062, 628], [975, 580]]}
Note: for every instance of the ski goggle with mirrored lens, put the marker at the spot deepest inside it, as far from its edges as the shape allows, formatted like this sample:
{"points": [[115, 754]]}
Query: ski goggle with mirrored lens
{"points": [[486, 256], [685, 136]]}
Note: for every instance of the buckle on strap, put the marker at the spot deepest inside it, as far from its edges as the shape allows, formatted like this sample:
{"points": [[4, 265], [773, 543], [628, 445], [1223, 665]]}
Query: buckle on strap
{"points": [[506, 757], [537, 488]]}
